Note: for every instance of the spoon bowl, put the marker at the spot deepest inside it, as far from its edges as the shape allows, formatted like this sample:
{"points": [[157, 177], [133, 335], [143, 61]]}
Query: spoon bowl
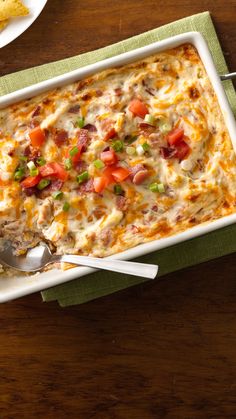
{"points": [[40, 256]]}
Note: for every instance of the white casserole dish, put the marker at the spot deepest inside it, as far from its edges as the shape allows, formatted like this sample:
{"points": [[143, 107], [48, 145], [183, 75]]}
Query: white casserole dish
{"points": [[14, 287]]}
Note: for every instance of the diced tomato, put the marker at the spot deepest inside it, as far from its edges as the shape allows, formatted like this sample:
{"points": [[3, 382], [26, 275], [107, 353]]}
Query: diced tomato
{"points": [[108, 157], [120, 174], [30, 181], [99, 184], [37, 137], [110, 134], [175, 136], [75, 159], [47, 170], [183, 150], [54, 169], [60, 172], [138, 108], [107, 173]]}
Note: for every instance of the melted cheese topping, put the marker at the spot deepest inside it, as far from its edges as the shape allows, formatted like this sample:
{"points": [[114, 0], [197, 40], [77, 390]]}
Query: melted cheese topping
{"points": [[198, 188]]}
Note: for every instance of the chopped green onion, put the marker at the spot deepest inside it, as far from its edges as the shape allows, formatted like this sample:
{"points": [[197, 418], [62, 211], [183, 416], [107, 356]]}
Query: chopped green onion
{"points": [[82, 177], [153, 187], [157, 187], [66, 206], [139, 149], [19, 173], [68, 164], [118, 190], [41, 161], [161, 187], [118, 145], [23, 158], [150, 119], [199, 73], [43, 184], [32, 168], [74, 151], [57, 195], [146, 146], [130, 151], [165, 126], [130, 139], [34, 172], [31, 165], [80, 122], [98, 164]]}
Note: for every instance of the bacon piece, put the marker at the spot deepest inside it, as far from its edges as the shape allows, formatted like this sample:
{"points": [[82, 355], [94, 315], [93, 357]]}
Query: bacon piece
{"points": [[118, 91], [99, 93], [83, 139], [149, 92], [55, 185], [47, 101], [146, 129], [140, 177], [194, 93], [30, 191], [60, 137], [168, 152], [106, 236], [74, 109], [90, 128], [80, 166], [134, 228], [34, 123], [32, 153], [121, 203], [81, 85], [135, 169], [87, 186], [36, 111], [154, 208], [11, 152], [98, 212], [86, 97]]}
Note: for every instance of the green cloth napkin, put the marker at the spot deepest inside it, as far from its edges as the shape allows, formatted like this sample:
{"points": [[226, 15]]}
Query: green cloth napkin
{"points": [[185, 254]]}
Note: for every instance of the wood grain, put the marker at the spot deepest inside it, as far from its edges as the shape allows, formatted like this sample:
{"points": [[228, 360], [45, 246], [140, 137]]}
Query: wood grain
{"points": [[166, 349]]}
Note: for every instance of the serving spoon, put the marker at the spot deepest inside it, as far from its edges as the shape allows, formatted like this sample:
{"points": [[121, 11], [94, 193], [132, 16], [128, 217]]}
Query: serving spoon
{"points": [[41, 256], [228, 76]]}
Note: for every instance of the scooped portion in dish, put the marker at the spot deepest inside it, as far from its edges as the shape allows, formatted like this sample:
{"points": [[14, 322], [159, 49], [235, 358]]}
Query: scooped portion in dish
{"points": [[124, 157]]}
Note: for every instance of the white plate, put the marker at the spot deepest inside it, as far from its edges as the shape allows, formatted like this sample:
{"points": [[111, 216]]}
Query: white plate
{"points": [[18, 25], [11, 288]]}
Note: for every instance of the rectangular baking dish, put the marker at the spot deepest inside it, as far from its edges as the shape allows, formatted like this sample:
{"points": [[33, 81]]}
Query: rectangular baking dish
{"points": [[14, 287]]}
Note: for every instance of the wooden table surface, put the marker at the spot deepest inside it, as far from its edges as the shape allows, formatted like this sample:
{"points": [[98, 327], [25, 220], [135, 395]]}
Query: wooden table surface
{"points": [[166, 349]]}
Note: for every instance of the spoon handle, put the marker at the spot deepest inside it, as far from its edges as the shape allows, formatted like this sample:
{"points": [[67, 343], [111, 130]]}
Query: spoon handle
{"points": [[228, 76], [144, 270]]}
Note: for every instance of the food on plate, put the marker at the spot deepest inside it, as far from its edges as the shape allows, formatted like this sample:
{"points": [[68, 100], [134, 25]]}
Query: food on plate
{"points": [[126, 156], [9, 9], [3, 23]]}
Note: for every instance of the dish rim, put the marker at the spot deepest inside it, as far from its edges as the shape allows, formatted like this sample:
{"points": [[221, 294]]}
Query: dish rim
{"points": [[55, 277]]}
